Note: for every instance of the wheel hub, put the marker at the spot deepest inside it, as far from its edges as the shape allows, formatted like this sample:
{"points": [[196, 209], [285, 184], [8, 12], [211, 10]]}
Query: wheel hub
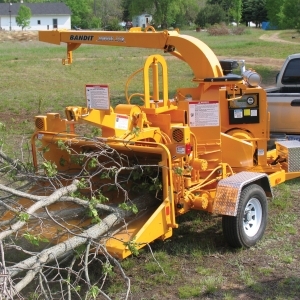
{"points": [[248, 216], [252, 217]]}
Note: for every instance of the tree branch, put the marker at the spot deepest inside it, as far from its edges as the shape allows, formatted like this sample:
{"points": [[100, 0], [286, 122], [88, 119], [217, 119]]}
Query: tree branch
{"points": [[42, 203], [35, 263]]}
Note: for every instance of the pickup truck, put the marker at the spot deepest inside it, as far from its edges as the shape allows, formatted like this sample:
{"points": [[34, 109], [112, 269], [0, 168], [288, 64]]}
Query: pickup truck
{"points": [[284, 102]]}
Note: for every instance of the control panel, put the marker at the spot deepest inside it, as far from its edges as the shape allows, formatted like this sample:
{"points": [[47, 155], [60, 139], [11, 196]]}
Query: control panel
{"points": [[243, 109]]}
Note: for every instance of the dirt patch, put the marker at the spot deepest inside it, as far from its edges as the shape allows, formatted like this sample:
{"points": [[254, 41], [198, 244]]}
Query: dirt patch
{"points": [[262, 61], [275, 38], [18, 36]]}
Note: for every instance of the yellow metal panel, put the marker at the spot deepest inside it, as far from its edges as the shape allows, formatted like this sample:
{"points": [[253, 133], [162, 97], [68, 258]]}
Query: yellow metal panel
{"points": [[153, 61], [194, 52], [52, 37], [292, 175], [242, 156], [198, 55], [279, 177], [154, 40], [141, 232]]}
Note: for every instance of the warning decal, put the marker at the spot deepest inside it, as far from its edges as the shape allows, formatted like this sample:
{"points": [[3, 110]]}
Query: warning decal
{"points": [[121, 122], [204, 113], [97, 96], [238, 113], [180, 149]]}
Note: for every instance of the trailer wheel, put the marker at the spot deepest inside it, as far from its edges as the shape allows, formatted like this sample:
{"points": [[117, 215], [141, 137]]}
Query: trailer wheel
{"points": [[248, 226]]}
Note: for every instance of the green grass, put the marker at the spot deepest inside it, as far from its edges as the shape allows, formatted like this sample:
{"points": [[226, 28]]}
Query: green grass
{"points": [[188, 291], [248, 44], [265, 271], [195, 262], [32, 76]]}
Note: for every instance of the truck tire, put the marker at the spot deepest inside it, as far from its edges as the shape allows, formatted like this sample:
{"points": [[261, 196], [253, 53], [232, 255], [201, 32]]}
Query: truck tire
{"points": [[249, 224]]}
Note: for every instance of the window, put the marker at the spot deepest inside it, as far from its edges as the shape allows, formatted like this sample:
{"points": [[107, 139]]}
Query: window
{"points": [[39, 22], [54, 23], [291, 73]]}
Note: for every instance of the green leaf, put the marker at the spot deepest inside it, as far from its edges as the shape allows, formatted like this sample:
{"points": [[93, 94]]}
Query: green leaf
{"points": [[34, 239], [94, 291], [50, 168], [127, 207], [132, 246], [107, 268], [93, 163], [24, 217], [134, 209]]}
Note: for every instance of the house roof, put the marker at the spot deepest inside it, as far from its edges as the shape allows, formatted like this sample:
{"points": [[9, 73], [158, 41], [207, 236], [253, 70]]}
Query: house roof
{"points": [[36, 8]]}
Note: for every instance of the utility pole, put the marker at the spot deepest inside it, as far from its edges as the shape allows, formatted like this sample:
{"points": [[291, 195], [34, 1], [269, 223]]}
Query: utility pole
{"points": [[10, 4]]}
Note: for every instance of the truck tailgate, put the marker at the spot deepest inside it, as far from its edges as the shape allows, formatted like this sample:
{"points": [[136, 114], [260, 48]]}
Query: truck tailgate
{"points": [[285, 111]]}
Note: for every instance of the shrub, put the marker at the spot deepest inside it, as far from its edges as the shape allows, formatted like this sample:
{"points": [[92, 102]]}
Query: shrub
{"points": [[238, 30], [218, 29], [222, 29], [113, 25]]}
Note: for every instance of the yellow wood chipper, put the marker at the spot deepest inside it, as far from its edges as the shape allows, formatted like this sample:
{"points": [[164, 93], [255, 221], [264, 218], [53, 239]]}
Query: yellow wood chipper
{"points": [[208, 141]]}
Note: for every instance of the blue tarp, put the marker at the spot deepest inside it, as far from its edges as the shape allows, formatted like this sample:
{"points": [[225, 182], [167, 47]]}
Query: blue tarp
{"points": [[267, 26]]}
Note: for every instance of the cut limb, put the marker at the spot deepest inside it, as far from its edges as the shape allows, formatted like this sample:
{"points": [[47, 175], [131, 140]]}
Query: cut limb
{"points": [[35, 263], [42, 203]]}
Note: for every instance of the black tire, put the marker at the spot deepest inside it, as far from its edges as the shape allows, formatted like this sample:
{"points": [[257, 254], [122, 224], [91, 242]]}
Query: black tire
{"points": [[249, 224]]}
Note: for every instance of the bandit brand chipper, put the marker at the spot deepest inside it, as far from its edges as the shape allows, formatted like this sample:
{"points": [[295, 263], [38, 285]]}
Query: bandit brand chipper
{"points": [[209, 141]]}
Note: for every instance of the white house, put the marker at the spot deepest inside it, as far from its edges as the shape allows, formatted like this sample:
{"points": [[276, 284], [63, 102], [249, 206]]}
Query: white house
{"points": [[143, 20], [43, 16]]}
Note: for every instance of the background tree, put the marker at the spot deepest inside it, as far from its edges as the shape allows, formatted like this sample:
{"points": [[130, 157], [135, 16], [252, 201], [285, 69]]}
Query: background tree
{"points": [[126, 10], [82, 14], [164, 11], [273, 11], [187, 14], [290, 18], [227, 5], [236, 11], [210, 15], [103, 13], [254, 11], [23, 17], [110, 12]]}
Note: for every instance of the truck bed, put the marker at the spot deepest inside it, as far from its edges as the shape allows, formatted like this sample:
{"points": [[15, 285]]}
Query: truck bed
{"points": [[284, 108]]}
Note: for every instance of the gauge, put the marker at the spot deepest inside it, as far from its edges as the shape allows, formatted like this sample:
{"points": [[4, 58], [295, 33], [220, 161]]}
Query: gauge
{"points": [[250, 100]]}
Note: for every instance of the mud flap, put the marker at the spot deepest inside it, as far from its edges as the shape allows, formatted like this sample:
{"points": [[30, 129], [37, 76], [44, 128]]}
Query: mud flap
{"points": [[229, 190]]}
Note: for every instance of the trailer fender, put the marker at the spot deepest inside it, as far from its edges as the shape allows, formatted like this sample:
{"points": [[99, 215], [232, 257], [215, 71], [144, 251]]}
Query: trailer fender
{"points": [[229, 190]]}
